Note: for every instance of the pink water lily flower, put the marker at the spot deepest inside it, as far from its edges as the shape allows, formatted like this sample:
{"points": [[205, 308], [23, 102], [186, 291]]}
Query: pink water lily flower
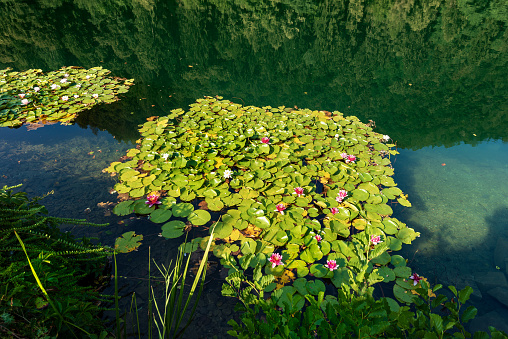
{"points": [[318, 238], [331, 265], [24, 102], [334, 210], [343, 155], [416, 279], [350, 158], [280, 208], [375, 239], [21, 95], [152, 200], [342, 194], [299, 191], [265, 140], [276, 260]]}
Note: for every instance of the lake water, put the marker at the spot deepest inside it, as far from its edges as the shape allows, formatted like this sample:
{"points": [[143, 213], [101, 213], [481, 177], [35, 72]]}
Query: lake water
{"points": [[431, 74]]}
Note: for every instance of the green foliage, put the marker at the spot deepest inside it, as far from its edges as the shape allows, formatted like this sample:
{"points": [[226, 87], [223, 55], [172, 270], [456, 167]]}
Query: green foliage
{"points": [[33, 97], [306, 312], [69, 270]]}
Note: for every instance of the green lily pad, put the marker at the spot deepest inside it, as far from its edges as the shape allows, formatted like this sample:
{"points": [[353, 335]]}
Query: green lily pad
{"points": [[128, 242], [262, 222], [315, 286], [173, 229], [223, 230], [382, 209], [124, 208], [199, 217], [319, 271], [182, 210], [141, 207], [160, 215]]}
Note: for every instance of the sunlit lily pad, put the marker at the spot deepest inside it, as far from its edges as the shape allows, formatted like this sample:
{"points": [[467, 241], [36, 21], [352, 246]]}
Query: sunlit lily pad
{"points": [[128, 242], [199, 217]]}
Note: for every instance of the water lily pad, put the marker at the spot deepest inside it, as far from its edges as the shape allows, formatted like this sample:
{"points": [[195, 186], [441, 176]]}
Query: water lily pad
{"points": [[382, 209], [182, 210], [402, 294], [199, 217], [223, 230], [160, 215], [262, 222], [124, 208], [128, 242], [361, 194], [141, 207], [387, 274], [315, 286], [320, 271], [173, 229], [214, 204]]}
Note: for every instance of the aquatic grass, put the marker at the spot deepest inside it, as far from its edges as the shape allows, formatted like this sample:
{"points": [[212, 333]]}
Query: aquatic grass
{"points": [[174, 307]]}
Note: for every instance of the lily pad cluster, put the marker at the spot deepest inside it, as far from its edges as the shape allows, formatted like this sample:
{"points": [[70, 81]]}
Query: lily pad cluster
{"points": [[315, 187], [58, 96]]}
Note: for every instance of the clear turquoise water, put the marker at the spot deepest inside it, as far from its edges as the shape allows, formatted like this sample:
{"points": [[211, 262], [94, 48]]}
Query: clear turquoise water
{"points": [[460, 208], [431, 75]]}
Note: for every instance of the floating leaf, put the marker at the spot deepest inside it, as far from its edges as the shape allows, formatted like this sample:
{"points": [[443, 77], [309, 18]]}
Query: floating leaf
{"points": [[160, 215], [173, 229], [128, 242], [199, 217], [182, 210], [124, 208]]}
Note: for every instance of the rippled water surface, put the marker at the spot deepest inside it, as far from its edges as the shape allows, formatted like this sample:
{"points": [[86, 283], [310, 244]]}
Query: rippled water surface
{"points": [[430, 74]]}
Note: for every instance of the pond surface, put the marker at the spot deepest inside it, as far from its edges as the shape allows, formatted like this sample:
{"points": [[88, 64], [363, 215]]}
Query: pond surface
{"points": [[430, 74]]}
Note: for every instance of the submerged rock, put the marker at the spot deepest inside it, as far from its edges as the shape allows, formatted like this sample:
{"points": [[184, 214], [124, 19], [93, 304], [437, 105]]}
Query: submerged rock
{"points": [[499, 321], [501, 254], [501, 294], [489, 280]]}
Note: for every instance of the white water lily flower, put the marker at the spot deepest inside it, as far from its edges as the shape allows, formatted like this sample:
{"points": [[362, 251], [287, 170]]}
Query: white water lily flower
{"points": [[165, 156], [95, 95], [228, 174], [37, 89], [63, 81], [54, 86], [385, 138], [76, 96], [65, 98], [78, 86]]}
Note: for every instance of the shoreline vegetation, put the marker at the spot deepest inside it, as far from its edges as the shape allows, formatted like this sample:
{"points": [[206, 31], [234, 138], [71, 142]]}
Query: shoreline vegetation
{"points": [[298, 202]]}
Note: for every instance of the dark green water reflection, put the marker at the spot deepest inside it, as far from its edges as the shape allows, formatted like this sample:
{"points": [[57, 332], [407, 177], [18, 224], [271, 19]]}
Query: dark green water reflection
{"points": [[431, 74]]}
